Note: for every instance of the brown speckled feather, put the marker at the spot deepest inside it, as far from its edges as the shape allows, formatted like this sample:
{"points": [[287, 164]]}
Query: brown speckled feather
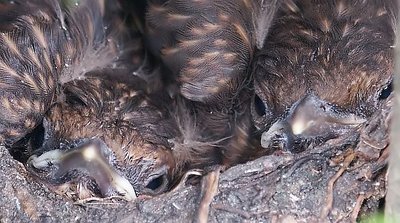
{"points": [[324, 68], [148, 135], [339, 50], [43, 43], [207, 44], [114, 108]]}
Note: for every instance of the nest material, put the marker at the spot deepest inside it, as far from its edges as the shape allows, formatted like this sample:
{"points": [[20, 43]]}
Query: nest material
{"points": [[332, 182]]}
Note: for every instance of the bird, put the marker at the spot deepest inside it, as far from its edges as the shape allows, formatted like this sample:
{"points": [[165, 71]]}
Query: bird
{"points": [[45, 47], [44, 44], [110, 136], [208, 48], [325, 67], [207, 45], [110, 131], [125, 130]]}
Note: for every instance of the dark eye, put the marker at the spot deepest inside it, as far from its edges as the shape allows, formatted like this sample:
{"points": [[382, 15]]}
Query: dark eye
{"points": [[259, 106], [384, 94], [31, 142], [158, 184], [38, 137]]}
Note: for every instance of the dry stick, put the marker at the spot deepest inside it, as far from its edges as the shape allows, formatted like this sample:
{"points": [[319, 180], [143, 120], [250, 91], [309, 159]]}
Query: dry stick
{"points": [[329, 200], [100, 201], [379, 165], [360, 200], [209, 187], [181, 184], [357, 208], [301, 161], [232, 210], [371, 144]]}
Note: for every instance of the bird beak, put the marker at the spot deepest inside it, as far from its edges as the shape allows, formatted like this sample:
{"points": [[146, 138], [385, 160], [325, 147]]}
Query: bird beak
{"points": [[309, 119], [90, 159]]}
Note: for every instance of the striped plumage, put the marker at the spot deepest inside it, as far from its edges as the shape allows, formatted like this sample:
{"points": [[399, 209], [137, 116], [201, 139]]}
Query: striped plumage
{"points": [[150, 139], [44, 44], [87, 101], [112, 107], [320, 58], [336, 54], [208, 45]]}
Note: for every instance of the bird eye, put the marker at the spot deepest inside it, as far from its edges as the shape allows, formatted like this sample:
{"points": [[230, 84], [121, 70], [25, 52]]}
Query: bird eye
{"points": [[259, 106], [158, 184], [385, 92], [38, 136], [31, 142]]}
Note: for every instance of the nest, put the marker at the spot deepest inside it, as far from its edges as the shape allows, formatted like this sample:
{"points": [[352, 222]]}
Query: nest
{"points": [[341, 180]]}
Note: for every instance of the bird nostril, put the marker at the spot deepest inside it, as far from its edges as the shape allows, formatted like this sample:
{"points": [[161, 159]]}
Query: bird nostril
{"points": [[158, 184], [279, 137]]}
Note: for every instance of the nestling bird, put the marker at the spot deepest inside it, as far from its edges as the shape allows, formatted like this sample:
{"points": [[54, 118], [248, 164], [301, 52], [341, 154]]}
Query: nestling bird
{"points": [[125, 129], [45, 47], [111, 137], [324, 67], [44, 44], [207, 45]]}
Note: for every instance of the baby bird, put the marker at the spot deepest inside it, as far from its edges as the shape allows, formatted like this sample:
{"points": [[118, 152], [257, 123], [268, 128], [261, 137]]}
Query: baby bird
{"points": [[207, 45], [324, 68], [109, 137], [44, 44]]}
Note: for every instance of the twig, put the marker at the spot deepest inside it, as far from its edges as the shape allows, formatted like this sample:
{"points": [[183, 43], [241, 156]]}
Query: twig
{"points": [[329, 198], [99, 200], [301, 161], [380, 164], [232, 210], [209, 187], [370, 144], [194, 172], [360, 200]]}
